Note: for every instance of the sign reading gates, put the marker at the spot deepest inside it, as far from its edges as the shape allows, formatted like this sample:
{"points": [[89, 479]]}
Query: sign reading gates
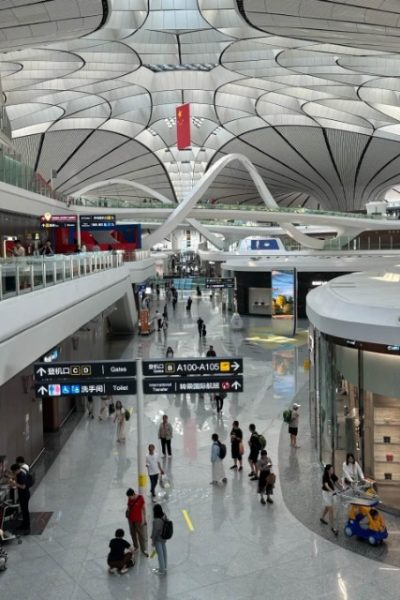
{"points": [[193, 366], [97, 221], [107, 368], [92, 387], [220, 283], [194, 385]]}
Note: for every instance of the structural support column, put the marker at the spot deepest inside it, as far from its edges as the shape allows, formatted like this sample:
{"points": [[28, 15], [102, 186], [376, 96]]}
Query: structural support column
{"points": [[141, 461]]}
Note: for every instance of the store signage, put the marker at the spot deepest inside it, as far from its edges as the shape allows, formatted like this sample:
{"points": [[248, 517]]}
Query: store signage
{"points": [[194, 385], [49, 221], [193, 366], [93, 387], [264, 245], [219, 283], [74, 370], [97, 221]]}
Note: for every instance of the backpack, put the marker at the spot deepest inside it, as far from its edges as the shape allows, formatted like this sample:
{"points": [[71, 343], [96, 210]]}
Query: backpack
{"points": [[222, 450], [127, 415], [30, 479], [262, 441], [111, 408], [287, 415], [167, 530]]}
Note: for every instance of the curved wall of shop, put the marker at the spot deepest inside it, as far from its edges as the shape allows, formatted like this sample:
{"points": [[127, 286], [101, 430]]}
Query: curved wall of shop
{"points": [[355, 384]]}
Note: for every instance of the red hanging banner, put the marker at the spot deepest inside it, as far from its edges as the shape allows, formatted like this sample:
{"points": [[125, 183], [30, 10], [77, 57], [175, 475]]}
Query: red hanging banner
{"points": [[183, 126]]}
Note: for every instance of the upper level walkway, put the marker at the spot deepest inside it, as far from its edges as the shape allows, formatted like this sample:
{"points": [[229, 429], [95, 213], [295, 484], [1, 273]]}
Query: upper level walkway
{"points": [[45, 300]]}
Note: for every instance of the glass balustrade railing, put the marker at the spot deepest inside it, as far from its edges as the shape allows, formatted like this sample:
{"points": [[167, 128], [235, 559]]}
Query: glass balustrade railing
{"points": [[26, 274], [14, 172]]}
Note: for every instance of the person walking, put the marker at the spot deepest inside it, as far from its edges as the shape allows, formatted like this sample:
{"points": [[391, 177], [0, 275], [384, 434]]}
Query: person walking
{"points": [[165, 434], [136, 515], [169, 353], [255, 447], [203, 331], [219, 400], [19, 481], [217, 467], [158, 319], [294, 425], [265, 485], [120, 555], [211, 352], [174, 301], [200, 325], [157, 540], [89, 403], [330, 482], [120, 419], [165, 313], [189, 303], [237, 446], [104, 400], [154, 469]]}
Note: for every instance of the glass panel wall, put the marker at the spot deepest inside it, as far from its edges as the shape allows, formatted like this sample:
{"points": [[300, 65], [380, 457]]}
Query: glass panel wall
{"points": [[358, 396]]}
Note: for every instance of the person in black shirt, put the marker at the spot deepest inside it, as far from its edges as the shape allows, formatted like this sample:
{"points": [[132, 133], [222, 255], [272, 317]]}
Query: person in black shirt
{"points": [[120, 555], [330, 482], [236, 445], [211, 352], [20, 481]]}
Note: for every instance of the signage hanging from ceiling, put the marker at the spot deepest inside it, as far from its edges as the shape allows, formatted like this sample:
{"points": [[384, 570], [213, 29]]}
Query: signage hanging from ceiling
{"points": [[94, 222], [49, 221]]}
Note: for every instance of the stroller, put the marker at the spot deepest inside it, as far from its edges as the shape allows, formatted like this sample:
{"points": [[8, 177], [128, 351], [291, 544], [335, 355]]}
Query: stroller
{"points": [[364, 520]]}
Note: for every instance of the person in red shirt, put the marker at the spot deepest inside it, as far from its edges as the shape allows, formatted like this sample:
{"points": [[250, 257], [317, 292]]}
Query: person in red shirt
{"points": [[136, 515]]}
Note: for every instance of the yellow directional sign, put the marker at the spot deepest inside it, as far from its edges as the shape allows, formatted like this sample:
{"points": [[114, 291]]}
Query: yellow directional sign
{"points": [[225, 366]]}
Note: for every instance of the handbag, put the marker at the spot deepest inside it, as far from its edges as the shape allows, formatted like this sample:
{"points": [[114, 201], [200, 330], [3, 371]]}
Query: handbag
{"points": [[271, 478], [241, 448]]}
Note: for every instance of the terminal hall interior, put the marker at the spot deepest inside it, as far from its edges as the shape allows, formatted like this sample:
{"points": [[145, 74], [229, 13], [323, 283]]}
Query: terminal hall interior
{"points": [[199, 299]]}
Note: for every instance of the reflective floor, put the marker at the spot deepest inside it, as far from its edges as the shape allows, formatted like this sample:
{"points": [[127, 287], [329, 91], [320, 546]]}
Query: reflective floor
{"points": [[238, 549]]}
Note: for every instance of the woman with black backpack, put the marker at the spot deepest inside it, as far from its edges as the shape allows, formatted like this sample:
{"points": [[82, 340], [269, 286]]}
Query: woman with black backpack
{"points": [[218, 453]]}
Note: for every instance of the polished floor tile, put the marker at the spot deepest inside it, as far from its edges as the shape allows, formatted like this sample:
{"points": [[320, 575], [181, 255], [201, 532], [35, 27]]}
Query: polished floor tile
{"points": [[239, 548]]}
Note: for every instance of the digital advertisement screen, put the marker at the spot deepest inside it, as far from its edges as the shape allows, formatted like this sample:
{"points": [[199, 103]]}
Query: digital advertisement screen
{"points": [[284, 311]]}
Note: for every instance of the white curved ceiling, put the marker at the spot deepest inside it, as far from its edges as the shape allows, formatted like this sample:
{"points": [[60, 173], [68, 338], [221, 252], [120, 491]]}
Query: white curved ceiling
{"points": [[308, 90]]}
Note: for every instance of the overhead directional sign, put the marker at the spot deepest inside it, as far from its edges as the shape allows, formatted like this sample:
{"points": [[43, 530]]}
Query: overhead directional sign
{"points": [[219, 283], [179, 385], [97, 221], [83, 388], [193, 366], [106, 368]]}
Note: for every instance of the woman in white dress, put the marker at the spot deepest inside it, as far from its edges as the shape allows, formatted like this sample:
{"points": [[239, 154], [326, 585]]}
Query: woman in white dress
{"points": [[352, 472], [120, 419], [217, 467]]}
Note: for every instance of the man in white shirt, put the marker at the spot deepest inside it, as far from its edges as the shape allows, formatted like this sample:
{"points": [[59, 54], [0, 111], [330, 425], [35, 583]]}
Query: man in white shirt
{"points": [[153, 468]]}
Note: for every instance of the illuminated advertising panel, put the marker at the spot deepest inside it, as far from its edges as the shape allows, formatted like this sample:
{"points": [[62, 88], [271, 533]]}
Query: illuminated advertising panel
{"points": [[284, 310]]}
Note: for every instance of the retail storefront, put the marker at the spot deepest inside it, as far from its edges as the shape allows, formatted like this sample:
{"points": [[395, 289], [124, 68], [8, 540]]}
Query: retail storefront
{"points": [[355, 384]]}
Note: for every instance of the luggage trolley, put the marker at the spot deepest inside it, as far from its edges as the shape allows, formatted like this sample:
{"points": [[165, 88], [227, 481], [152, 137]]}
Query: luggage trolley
{"points": [[8, 512], [364, 520]]}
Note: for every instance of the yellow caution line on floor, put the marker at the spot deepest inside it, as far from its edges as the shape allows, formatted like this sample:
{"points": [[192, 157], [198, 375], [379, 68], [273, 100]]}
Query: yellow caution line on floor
{"points": [[188, 520]]}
